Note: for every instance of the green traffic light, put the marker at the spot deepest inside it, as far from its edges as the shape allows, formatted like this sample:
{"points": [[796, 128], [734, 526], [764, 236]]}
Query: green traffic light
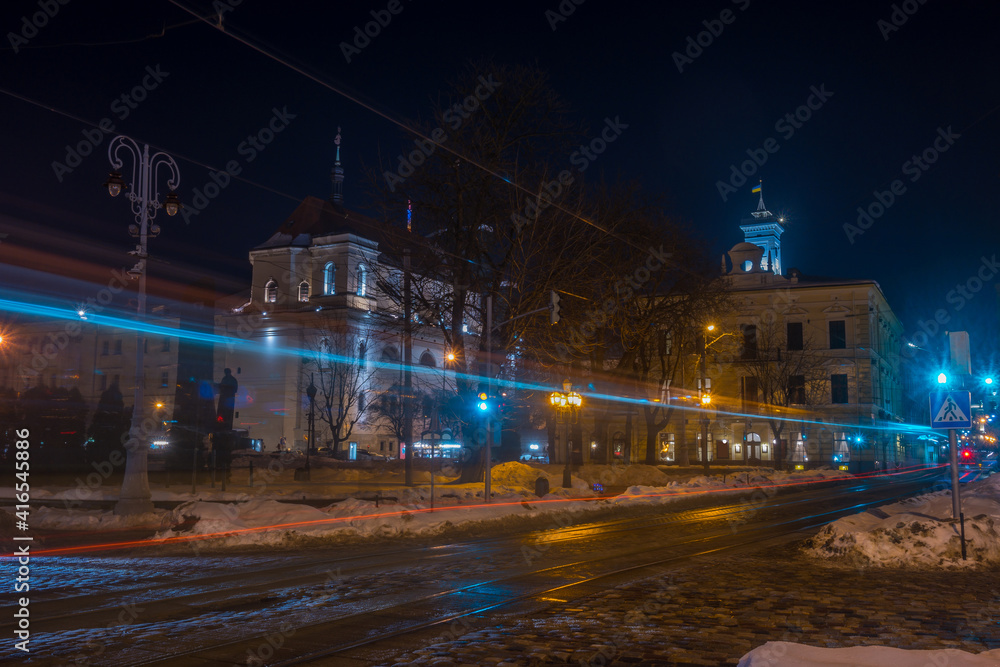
{"points": [[942, 378]]}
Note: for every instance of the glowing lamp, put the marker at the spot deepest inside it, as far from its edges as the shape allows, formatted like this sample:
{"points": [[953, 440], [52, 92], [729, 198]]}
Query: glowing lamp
{"points": [[115, 184], [172, 204], [942, 378]]}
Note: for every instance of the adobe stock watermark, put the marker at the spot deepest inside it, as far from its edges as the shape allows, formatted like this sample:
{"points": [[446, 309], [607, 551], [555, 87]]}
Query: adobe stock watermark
{"points": [[454, 117], [249, 149], [786, 126], [900, 14], [914, 168], [30, 25], [121, 107], [958, 297], [697, 44], [372, 29], [562, 12], [581, 158]]}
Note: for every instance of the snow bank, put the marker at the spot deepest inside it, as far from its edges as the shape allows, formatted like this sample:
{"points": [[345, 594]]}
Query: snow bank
{"points": [[786, 654], [918, 531]]}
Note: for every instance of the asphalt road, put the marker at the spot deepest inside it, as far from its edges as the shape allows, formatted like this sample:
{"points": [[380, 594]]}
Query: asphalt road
{"points": [[360, 604]]}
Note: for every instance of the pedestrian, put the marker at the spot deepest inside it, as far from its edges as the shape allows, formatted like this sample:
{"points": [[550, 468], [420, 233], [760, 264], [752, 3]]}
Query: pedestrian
{"points": [[281, 444]]}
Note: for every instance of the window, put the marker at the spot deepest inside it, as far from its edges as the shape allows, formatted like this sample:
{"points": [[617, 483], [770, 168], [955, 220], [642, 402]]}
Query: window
{"points": [[381, 445], [749, 391], [838, 335], [104, 382], [329, 277], [361, 402], [362, 280], [838, 388], [666, 446], [303, 291], [841, 453], [799, 454], [797, 389], [390, 355], [166, 345], [749, 341], [118, 346], [105, 348], [164, 379], [115, 382], [271, 292], [794, 335], [427, 359], [362, 355]]}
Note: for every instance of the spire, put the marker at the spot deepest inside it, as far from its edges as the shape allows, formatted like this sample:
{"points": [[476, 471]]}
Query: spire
{"points": [[761, 212], [337, 175]]}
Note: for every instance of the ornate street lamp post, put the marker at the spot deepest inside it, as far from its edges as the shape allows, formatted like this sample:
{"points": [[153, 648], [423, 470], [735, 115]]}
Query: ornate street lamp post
{"points": [[565, 402], [135, 497]]}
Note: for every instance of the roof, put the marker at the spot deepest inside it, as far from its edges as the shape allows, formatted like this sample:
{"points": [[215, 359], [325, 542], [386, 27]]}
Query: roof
{"points": [[317, 217]]}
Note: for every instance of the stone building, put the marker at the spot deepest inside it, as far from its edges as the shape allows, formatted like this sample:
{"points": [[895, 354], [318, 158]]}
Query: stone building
{"points": [[805, 368]]}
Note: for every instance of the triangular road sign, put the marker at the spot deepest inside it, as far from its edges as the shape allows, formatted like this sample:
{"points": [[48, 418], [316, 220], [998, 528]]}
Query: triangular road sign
{"points": [[950, 412]]}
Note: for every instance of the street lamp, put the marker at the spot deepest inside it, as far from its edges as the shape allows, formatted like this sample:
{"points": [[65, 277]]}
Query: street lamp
{"points": [[565, 402], [135, 497], [706, 399]]}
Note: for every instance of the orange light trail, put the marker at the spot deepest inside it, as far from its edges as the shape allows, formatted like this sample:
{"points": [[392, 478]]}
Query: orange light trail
{"points": [[181, 539]]}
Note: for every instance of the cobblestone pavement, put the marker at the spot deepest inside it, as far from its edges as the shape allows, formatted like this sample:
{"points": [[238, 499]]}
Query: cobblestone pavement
{"points": [[715, 611]]}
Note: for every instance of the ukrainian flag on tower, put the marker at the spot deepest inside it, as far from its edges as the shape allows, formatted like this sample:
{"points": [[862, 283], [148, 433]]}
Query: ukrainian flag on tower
{"points": [[756, 188]]}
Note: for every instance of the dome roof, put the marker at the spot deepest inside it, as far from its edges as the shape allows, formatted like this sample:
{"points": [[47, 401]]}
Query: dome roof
{"points": [[745, 246]]}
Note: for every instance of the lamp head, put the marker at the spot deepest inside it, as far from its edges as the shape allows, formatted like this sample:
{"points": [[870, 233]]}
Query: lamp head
{"points": [[114, 184]]}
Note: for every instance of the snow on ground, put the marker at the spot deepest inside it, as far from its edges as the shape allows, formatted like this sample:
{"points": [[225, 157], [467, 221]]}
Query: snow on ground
{"points": [[919, 531], [259, 518], [785, 654]]}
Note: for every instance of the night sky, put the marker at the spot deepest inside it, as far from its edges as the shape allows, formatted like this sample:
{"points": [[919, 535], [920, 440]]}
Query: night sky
{"points": [[889, 92]]}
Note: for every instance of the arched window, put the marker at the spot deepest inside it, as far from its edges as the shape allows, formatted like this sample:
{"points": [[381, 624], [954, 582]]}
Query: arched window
{"points": [[362, 355], [390, 355], [427, 359], [303, 291], [271, 291], [329, 276], [362, 280]]}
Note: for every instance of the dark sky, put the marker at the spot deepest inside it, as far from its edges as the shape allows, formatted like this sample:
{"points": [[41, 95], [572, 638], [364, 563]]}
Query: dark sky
{"points": [[893, 90]]}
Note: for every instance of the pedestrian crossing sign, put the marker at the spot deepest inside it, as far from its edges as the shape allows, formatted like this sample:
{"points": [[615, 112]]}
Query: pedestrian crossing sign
{"points": [[951, 409]]}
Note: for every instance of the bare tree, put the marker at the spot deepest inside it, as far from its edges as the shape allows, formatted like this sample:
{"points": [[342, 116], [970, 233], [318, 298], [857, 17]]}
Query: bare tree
{"points": [[783, 377], [342, 376]]}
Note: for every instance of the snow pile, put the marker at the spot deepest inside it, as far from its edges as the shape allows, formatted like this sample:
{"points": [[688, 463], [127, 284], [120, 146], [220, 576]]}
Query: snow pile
{"points": [[786, 654], [271, 522], [56, 518], [918, 531]]}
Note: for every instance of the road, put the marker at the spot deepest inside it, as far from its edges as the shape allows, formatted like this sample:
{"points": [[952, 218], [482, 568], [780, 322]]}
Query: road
{"points": [[361, 604]]}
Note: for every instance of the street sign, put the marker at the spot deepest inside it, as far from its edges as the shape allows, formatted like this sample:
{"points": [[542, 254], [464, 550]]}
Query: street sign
{"points": [[951, 409]]}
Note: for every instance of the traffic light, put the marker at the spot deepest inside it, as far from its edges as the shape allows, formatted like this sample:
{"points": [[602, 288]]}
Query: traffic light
{"points": [[553, 307], [966, 454], [942, 378], [483, 401]]}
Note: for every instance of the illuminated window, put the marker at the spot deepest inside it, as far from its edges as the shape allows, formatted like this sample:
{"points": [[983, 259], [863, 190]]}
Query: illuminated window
{"points": [[271, 292], [362, 280], [329, 276], [303, 291], [841, 452]]}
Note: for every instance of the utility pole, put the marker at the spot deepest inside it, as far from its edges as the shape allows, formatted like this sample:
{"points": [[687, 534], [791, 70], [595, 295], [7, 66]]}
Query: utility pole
{"points": [[407, 372], [487, 490]]}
